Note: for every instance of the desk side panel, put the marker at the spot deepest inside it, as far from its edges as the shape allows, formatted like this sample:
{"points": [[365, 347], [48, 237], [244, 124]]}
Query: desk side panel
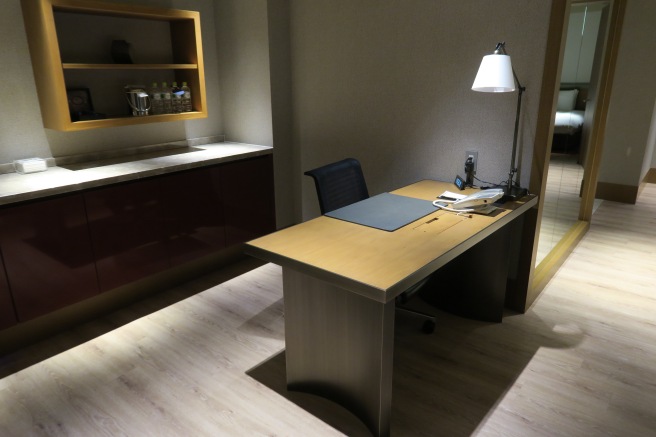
{"points": [[339, 345]]}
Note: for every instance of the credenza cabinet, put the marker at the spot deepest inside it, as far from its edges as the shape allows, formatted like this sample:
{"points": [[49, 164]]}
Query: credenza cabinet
{"points": [[47, 255], [7, 315], [58, 251], [248, 199], [127, 231], [195, 223]]}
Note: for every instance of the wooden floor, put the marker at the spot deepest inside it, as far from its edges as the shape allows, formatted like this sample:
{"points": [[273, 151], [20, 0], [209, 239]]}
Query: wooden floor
{"points": [[206, 359]]}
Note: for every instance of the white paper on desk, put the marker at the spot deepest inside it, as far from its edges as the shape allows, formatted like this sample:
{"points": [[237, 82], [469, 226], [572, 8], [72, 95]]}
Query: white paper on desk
{"points": [[452, 195]]}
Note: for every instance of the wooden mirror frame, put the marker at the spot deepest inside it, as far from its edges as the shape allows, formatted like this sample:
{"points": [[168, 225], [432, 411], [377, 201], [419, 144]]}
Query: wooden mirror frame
{"points": [[536, 278]]}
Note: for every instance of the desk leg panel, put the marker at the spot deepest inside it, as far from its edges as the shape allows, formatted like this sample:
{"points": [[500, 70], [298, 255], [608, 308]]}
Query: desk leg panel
{"points": [[339, 345], [474, 284]]}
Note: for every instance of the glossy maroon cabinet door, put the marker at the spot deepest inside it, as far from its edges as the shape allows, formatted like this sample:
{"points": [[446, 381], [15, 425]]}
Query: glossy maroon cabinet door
{"points": [[193, 213], [47, 254], [7, 314], [127, 232], [249, 205]]}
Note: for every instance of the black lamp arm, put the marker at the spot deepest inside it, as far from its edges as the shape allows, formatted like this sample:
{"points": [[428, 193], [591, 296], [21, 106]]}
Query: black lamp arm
{"points": [[513, 159], [501, 48]]}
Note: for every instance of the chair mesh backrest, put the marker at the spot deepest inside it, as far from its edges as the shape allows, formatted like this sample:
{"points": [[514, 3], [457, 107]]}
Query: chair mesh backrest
{"points": [[339, 184]]}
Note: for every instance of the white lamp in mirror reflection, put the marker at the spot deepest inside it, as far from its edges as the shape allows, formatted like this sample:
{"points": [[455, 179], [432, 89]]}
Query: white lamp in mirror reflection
{"points": [[496, 75]]}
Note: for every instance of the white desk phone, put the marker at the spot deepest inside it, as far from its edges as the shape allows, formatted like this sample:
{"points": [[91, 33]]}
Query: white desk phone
{"points": [[480, 201]]}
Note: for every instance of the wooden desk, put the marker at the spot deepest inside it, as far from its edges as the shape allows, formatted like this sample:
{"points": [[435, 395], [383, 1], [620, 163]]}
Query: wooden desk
{"points": [[340, 281]]}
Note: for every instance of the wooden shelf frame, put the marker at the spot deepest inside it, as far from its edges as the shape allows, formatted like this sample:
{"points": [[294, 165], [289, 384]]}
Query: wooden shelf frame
{"points": [[78, 66], [186, 44]]}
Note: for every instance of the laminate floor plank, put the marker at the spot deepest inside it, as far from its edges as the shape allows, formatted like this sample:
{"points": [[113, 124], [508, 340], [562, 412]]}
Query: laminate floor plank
{"points": [[207, 359]]}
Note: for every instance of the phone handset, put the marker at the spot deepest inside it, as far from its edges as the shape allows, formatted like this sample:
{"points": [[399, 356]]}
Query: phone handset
{"points": [[472, 203]]}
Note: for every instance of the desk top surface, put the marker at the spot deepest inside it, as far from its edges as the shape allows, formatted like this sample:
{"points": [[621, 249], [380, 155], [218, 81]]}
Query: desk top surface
{"points": [[376, 263]]}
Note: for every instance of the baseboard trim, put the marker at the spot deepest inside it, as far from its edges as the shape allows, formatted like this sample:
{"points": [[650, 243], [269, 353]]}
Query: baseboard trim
{"points": [[617, 192]]}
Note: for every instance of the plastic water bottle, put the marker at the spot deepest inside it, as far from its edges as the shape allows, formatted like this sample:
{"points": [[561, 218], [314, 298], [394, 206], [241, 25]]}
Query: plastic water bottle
{"points": [[186, 98], [156, 103], [167, 105], [176, 98]]}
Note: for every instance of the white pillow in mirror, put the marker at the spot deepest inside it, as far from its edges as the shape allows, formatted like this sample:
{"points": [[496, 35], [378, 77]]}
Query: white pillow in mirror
{"points": [[567, 100]]}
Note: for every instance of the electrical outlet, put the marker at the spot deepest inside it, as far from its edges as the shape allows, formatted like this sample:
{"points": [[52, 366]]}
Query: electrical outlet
{"points": [[474, 155]]}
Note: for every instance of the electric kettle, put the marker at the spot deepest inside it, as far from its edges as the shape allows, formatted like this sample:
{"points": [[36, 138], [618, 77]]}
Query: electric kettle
{"points": [[138, 100]]}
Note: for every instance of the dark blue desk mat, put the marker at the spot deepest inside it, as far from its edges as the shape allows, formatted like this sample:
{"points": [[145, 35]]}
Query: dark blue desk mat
{"points": [[385, 211]]}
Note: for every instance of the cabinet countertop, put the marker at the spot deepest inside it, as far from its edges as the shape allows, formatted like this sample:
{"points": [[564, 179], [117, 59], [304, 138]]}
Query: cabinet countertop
{"points": [[15, 187]]}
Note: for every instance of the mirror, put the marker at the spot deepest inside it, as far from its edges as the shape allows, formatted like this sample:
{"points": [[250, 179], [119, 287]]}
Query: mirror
{"points": [[574, 115]]}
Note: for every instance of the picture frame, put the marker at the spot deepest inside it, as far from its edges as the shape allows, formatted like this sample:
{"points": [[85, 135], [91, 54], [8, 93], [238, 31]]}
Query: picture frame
{"points": [[80, 106], [79, 100]]}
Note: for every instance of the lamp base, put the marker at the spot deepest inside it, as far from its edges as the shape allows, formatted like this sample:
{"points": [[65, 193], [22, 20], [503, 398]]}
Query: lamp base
{"points": [[513, 193]]}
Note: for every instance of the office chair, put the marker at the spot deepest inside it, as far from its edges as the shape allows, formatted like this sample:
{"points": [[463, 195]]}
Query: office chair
{"points": [[339, 184], [342, 183]]}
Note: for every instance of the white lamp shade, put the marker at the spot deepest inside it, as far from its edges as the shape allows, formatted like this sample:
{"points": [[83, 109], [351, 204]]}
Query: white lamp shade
{"points": [[495, 75]]}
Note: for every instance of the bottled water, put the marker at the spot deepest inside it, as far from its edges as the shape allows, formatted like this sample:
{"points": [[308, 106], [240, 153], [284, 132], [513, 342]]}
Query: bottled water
{"points": [[156, 103], [167, 105], [186, 98], [176, 98]]}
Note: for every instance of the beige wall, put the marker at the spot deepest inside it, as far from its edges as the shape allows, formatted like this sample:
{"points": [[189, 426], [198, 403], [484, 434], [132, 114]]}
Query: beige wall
{"points": [[627, 152], [286, 156], [254, 75], [389, 82], [243, 55], [21, 129], [385, 81]]}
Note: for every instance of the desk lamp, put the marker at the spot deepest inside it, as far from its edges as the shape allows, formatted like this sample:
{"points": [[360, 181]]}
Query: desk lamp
{"points": [[496, 75]]}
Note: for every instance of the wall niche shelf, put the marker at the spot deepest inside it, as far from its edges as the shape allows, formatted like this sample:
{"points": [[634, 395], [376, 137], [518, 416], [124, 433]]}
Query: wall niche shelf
{"points": [[70, 43]]}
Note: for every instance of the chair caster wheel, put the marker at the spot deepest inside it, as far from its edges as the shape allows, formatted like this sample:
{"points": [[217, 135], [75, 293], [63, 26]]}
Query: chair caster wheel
{"points": [[428, 327]]}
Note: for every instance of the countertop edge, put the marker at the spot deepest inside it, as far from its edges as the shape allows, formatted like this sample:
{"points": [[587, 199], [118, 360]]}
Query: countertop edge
{"points": [[16, 188]]}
